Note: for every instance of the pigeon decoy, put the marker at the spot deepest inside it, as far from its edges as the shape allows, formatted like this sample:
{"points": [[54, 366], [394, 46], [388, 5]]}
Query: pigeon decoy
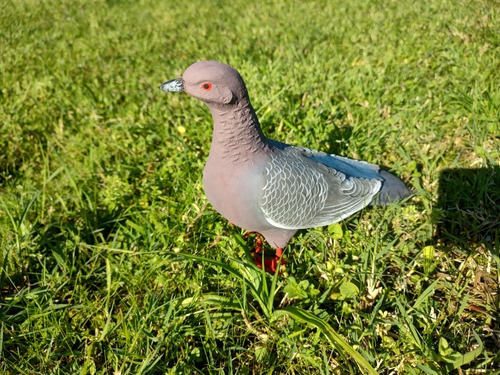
{"points": [[270, 187]]}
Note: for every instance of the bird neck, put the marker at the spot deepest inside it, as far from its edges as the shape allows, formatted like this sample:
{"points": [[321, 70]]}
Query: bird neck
{"points": [[237, 135]]}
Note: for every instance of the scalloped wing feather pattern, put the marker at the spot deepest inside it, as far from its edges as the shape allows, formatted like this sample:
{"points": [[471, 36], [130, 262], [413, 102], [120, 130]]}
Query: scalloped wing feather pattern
{"points": [[300, 193]]}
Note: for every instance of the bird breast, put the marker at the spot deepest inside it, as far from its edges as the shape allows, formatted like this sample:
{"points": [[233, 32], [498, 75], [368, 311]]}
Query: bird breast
{"points": [[233, 192]]}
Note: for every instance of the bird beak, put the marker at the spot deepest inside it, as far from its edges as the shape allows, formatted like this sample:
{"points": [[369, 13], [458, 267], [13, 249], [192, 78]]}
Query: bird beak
{"points": [[174, 85]]}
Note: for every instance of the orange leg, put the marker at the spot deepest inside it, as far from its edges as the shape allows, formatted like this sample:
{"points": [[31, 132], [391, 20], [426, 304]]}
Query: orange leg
{"points": [[270, 264]]}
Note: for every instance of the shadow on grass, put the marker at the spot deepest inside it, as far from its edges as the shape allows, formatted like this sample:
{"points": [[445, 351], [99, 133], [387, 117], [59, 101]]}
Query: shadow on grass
{"points": [[468, 207], [337, 142]]}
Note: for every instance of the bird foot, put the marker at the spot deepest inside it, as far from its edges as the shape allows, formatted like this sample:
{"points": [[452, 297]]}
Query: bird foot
{"points": [[270, 262]]}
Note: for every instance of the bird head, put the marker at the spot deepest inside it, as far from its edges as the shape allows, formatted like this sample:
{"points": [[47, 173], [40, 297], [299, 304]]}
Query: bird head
{"points": [[211, 81]]}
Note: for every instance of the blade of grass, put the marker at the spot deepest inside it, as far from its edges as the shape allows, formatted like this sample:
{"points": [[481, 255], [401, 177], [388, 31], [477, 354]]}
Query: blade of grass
{"points": [[425, 294], [337, 341], [249, 276]]}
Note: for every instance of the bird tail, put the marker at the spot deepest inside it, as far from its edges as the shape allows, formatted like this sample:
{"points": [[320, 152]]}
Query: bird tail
{"points": [[393, 189]]}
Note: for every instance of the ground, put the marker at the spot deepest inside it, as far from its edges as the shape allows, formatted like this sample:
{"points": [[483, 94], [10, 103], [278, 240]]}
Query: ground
{"points": [[112, 260]]}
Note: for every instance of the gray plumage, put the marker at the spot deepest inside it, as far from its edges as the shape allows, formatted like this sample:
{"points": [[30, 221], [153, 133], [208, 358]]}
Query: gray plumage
{"points": [[271, 187]]}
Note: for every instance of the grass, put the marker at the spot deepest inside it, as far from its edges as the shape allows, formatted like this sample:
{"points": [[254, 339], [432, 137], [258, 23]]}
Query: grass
{"points": [[112, 262]]}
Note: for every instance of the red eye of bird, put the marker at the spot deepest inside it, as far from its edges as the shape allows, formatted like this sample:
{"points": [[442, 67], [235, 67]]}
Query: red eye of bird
{"points": [[207, 86]]}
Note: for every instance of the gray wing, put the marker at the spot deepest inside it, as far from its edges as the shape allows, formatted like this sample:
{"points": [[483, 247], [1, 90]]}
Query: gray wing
{"points": [[303, 188]]}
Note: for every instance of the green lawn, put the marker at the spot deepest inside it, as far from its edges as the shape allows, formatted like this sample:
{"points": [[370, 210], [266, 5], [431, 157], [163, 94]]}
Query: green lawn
{"points": [[113, 262]]}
